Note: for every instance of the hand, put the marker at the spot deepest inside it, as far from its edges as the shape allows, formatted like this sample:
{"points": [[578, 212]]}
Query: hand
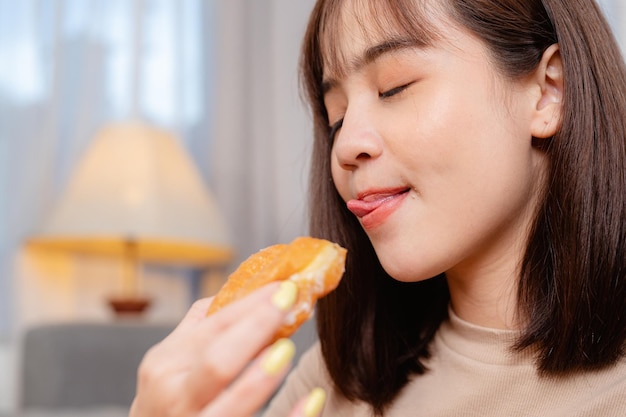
{"points": [[218, 365]]}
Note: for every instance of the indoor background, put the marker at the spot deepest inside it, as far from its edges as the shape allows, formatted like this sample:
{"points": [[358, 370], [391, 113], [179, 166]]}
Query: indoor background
{"points": [[219, 76]]}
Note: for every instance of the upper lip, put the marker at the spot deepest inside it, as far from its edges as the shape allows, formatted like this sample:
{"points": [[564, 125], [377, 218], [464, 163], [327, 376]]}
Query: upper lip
{"points": [[380, 194]]}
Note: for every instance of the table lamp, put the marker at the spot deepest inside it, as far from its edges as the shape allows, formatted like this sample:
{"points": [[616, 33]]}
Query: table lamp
{"points": [[137, 196]]}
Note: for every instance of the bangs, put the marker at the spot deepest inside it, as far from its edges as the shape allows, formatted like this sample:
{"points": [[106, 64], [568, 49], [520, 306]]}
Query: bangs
{"points": [[405, 22]]}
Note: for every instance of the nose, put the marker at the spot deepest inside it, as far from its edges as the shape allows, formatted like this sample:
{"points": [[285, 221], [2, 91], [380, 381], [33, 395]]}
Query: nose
{"points": [[357, 141]]}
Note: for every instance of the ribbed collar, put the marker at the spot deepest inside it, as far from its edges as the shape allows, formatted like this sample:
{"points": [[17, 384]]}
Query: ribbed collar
{"points": [[487, 345]]}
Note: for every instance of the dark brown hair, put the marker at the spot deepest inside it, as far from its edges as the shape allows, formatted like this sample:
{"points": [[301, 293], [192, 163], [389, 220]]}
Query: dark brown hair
{"points": [[374, 330]]}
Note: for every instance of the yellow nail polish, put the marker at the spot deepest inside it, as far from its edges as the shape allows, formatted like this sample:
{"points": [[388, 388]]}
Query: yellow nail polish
{"points": [[279, 356], [314, 403], [286, 295]]}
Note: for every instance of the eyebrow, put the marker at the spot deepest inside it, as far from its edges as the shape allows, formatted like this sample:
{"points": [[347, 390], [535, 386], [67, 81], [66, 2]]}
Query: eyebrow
{"points": [[370, 55]]}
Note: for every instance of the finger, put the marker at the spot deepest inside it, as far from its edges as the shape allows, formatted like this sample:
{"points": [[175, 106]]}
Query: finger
{"points": [[196, 314], [173, 346], [224, 317], [180, 361], [234, 347], [198, 310], [256, 385], [240, 309], [310, 406], [184, 347]]}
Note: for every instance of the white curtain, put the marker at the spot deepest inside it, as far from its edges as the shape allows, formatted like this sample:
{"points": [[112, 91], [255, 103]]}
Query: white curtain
{"points": [[262, 134], [220, 73], [615, 11], [69, 67]]}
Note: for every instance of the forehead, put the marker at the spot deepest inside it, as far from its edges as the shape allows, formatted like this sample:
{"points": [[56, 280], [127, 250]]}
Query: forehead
{"points": [[352, 32]]}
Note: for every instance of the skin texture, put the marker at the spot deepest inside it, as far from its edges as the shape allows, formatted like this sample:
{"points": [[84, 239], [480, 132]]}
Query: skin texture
{"points": [[449, 165], [207, 364]]}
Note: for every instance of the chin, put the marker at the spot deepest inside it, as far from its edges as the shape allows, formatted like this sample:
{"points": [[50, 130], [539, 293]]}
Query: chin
{"points": [[408, 272], [409, 265]]}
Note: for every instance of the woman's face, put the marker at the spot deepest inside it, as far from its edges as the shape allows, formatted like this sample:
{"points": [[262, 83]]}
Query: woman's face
{"points": [[434, 153]]}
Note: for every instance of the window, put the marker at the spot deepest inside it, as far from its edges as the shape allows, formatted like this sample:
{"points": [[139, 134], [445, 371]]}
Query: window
{"points": [[69, 66]]}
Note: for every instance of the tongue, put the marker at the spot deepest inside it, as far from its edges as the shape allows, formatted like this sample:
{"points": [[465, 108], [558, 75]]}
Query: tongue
{"points": [[361, 208]]}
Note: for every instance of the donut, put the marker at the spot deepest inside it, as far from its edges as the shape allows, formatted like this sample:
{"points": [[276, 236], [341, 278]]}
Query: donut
{"points": [[315, 265]]}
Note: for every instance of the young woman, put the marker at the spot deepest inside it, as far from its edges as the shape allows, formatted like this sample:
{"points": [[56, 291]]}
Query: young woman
{"points": [[470, 155]]}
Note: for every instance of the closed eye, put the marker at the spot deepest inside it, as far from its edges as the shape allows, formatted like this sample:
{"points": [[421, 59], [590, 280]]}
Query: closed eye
{"points": [[333, 130], [394, 91]]}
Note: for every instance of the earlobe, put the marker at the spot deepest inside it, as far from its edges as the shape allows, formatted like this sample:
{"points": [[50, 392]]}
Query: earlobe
{"points": [[548, 111]]}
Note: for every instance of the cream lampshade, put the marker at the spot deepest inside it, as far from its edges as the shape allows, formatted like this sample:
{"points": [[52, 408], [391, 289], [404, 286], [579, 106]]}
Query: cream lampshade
{"points": [[137, 196]]}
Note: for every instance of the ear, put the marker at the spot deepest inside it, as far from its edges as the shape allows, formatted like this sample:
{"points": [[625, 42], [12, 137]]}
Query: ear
{"points": [[548, 111]]}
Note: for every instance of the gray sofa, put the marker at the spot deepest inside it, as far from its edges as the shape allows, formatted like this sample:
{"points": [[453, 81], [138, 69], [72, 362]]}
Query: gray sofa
{"points": [[89, 369], [83, 369]]}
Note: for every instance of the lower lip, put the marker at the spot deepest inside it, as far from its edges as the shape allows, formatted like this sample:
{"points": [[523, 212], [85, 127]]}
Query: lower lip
{"points": [[381, 214]]}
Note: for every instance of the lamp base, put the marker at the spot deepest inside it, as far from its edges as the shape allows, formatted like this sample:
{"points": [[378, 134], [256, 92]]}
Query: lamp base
{"points": [[129, 306]]}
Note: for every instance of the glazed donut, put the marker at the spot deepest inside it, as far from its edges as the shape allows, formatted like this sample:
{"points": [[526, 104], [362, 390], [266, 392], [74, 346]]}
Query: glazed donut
{"points": [[315, 265]]}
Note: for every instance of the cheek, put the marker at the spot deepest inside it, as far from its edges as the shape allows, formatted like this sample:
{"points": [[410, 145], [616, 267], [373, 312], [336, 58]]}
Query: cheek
{"points": [[436, 135], [463, 128]]}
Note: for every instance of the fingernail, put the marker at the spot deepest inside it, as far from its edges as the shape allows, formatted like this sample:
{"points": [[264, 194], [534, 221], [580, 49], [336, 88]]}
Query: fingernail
{"points": [[279, 356], [314, 402], [286, 295]]}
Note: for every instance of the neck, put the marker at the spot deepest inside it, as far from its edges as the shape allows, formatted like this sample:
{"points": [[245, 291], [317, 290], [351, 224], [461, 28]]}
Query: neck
{"points": [[486, 298]]}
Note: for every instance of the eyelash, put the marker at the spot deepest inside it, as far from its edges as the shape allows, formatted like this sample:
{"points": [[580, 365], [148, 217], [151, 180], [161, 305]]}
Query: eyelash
{"points": [[394, 91], [386, 94]]}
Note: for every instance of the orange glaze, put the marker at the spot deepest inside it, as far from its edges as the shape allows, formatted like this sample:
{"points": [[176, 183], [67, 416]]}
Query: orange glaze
{"points": [[315, 265]]}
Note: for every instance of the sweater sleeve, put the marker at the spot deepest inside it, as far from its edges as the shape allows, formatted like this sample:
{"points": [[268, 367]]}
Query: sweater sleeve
{"points": [[308, 374]]}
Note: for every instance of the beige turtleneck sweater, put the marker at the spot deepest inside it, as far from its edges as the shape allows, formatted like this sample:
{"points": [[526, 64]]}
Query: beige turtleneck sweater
{"points": [[472, 372]]}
